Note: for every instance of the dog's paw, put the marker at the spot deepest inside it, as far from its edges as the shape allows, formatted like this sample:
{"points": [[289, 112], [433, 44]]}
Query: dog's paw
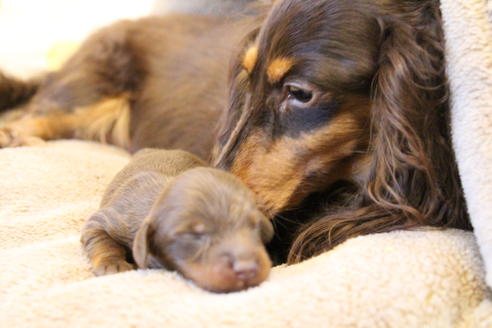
{"points": [[112, 267], [7, 137], [12, 137]]}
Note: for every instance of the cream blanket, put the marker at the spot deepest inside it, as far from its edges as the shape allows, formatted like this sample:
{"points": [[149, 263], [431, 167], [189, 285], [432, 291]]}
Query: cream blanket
{"points": [[401, 279], [425, 278]]}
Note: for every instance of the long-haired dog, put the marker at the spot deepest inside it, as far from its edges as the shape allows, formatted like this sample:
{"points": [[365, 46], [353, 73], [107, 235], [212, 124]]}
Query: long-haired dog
{"points": [[336, 114]]}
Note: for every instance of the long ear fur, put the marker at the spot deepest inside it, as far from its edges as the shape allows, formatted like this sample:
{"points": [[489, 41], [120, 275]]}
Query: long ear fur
{"points": [[234, 118], [141, 244], [414, 179]]}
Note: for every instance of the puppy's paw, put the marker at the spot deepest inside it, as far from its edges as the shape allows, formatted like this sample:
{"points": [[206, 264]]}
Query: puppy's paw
{"points": [[112, 267]]}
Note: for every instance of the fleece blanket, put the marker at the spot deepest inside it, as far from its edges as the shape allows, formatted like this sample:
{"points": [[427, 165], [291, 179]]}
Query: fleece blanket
{"points": [[424, 278], [468, 31], [420, 278]]}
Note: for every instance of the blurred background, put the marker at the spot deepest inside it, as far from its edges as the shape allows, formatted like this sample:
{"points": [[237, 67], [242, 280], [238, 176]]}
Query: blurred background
{"points": [[35, 33]]}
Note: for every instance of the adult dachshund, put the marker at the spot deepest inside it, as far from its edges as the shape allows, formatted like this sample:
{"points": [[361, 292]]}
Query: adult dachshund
{"points": [[336, 113]]}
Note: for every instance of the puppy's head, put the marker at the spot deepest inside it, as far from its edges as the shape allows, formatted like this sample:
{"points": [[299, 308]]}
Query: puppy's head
{"points": [[206, 226]]}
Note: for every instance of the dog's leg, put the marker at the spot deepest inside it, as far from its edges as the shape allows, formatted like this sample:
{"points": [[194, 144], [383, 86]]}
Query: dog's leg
{"points": [[105, 254], [106, 121], [79, 100]]}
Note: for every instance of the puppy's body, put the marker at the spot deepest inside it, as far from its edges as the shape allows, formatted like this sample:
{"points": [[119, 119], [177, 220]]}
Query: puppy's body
{"points": [[126, 203], [165, 210]]}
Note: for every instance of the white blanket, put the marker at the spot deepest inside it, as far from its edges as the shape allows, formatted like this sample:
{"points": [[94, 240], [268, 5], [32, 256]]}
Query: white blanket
{"points": [[402, 279], [468, 31]]}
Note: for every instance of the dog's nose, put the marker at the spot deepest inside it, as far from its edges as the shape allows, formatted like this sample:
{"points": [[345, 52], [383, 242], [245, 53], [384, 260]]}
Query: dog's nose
{"points": [[245, 270]]}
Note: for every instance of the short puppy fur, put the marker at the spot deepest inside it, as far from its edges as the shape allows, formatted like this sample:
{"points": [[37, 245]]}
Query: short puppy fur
{"points": [[165, 209]]}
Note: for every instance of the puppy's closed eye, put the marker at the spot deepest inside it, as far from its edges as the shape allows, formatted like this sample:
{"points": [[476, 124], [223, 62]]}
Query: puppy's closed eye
{"points": [[196, 231], [192, 236]]}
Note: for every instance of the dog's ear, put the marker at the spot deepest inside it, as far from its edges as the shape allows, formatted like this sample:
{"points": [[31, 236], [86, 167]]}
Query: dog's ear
{"points": [[409, 124], [266, 230], [141, 244], [234, 118]]}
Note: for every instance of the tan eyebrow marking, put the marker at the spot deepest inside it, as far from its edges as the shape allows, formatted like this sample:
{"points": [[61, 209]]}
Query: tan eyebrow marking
{"points": [[278, 68], [250, 59]]}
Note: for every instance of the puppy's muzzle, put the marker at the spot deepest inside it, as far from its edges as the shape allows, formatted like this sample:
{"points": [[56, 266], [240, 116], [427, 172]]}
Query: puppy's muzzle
{"points": [[245, 268]]}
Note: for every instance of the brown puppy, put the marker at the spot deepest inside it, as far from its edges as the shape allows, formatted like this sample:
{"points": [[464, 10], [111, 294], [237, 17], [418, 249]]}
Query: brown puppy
{"points": [[166, 210]]}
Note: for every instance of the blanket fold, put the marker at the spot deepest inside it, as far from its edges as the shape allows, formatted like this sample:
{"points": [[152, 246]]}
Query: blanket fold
{"points": [[468, 31]]}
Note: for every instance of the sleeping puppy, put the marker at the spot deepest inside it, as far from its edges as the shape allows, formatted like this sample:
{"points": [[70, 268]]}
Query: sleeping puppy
{"points": [[165, 209]]}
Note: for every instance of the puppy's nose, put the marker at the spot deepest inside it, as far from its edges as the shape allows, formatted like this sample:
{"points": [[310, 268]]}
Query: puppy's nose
{"points": [[245, 270]]}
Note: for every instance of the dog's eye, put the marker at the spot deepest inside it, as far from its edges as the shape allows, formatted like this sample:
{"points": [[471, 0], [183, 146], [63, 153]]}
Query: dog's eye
{"points": [[298, 94], [302, 95]]}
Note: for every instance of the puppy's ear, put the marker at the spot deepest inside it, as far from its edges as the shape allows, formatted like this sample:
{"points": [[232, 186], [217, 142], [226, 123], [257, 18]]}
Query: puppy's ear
{"points": [[266, 229], [141, 244]]}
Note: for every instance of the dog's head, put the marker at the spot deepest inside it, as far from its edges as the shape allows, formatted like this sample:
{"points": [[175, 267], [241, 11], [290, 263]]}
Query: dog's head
{"points": [[330, 90], [300, 101], [206, 226]]}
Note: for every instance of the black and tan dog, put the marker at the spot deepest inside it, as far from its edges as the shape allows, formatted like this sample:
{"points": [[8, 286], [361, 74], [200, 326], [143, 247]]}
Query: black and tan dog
{"points": [[335, 109], [165, 209]]}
